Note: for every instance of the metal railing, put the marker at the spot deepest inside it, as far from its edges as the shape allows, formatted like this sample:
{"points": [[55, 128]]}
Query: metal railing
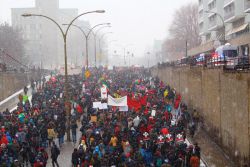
{"points": [[232, 63]]}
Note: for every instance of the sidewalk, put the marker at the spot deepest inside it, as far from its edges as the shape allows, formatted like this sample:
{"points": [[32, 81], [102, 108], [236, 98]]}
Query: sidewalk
{"points": [[64, 159], [211, 153]]}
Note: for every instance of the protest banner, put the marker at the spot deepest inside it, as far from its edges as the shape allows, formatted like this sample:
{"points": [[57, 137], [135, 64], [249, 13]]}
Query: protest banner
{"points": [[118, 102]]}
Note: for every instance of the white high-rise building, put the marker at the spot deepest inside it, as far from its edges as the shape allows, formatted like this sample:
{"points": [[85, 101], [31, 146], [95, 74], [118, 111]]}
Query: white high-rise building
{"points": [[43, 39], [223, 21]]}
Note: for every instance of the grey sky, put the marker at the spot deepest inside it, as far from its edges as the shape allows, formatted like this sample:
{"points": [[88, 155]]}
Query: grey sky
{"points": [[133, 21]]}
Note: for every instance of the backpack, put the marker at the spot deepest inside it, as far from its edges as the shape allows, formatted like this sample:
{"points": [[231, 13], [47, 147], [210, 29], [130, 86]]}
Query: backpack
{"points": [[80, 150], [55, 150]]}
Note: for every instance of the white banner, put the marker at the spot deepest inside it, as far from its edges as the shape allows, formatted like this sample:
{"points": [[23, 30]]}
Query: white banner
{"points": [[100, 105], [118, 102], [97, 104], [123, 108], [103, 106], [153, 113]]}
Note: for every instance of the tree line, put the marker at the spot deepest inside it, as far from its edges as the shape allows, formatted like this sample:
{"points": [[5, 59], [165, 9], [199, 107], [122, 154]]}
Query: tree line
{"points": [[183, 29], [11, 46]]}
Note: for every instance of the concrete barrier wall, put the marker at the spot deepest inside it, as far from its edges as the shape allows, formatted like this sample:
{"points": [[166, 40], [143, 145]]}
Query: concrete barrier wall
{"points": [[223, 100], [13, 82]]}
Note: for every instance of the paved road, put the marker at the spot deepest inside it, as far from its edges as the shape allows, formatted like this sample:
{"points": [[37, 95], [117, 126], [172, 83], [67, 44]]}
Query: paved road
{"points": [[64, 158]]}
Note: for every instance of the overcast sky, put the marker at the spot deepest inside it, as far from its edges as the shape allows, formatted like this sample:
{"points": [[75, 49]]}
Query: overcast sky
{"points": [[137, 22]]}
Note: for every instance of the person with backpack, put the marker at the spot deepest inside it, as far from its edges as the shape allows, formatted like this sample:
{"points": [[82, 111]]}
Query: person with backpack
{"points": [[55, 152], [73, 130], [75, 158]]}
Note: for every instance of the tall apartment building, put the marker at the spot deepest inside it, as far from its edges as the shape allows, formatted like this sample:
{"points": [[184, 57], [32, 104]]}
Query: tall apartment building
{"points": [[43, 40], [229, 17]]}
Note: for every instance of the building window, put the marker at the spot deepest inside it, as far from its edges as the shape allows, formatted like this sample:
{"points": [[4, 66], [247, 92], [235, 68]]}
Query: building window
{"points": [[212, 20], [229, 11], [212, 5]]}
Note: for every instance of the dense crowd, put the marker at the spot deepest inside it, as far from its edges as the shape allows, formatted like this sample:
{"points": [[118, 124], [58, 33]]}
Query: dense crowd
{"points": [[151, 132]]}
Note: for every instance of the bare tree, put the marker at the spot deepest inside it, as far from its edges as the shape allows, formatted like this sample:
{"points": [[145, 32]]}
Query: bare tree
{"points": [[184, 28], [12, 43]]}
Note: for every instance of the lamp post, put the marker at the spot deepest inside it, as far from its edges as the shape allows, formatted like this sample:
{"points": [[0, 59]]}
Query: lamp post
{"points": [[95, 35], [86, 35], [130, 55], [223, 24], [64, 35], [124, 49], [108, 43], [78, 27], [95, 42], [100, 39], [148, 53]]}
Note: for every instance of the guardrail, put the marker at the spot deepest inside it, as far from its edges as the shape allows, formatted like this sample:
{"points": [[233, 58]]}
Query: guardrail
{"points": [[234, 63], [11, 101]]}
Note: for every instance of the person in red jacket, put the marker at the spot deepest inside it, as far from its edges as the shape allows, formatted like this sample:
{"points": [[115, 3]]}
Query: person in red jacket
{"points": [[4, 140]]}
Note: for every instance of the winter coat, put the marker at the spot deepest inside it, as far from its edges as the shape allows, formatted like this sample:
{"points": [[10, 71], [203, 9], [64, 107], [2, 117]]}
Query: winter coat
{"points": [[194, 161], [54, 152], [51, 134]]}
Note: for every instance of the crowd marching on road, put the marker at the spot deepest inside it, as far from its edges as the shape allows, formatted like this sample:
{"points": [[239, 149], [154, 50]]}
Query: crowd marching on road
{"points": [[125, 117]]}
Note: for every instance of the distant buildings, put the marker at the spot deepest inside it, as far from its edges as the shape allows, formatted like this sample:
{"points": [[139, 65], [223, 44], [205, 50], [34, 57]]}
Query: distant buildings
{"points": [[213, 14], [43, 41]]}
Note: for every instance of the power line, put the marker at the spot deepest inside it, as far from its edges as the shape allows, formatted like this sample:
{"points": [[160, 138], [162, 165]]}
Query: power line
{"points": [[6, 54]]}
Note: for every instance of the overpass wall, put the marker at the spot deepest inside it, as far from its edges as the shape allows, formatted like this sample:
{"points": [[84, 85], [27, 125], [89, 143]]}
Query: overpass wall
{"points": [[13, 82], [223, 100]]}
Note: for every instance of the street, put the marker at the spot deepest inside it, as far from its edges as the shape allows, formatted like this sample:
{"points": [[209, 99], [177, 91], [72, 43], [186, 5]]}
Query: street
{"points": [[64, 159]]}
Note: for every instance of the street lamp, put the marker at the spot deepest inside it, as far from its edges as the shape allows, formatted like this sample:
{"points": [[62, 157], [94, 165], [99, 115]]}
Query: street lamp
{"points": [[130, 55], [148, 58], [125, 52], [95, 42], [95, 35], [87, 38], [84, 34], [223, 24], [100, 39], [64, 35], [108, 44], [124, 48]]}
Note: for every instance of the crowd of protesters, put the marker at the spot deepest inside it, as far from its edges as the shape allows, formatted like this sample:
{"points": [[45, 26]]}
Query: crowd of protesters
{"points": [[151, 133], [28, 134]]}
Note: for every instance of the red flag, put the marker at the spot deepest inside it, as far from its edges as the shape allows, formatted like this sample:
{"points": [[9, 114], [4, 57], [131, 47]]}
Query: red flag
{"points": [[143, 100], [134, 104]]}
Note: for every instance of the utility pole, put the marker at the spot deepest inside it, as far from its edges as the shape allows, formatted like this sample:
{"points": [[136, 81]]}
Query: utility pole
{"points": [[148, 58]]}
